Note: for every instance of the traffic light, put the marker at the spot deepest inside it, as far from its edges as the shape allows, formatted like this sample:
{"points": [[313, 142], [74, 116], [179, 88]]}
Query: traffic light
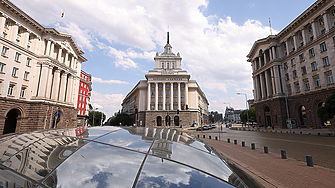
{"points": [[136, 110], [177, 111]]}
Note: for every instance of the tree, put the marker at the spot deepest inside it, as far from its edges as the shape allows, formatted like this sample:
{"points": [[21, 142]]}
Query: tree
{"points": [[327, 111], [251, 113], [97, 118], [122, 118]]}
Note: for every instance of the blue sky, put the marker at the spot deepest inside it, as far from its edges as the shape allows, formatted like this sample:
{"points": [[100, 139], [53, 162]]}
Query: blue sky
{"points": [[121, 38]]}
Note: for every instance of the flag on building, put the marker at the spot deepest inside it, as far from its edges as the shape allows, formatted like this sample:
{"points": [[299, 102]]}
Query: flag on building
{"points": [[62, 14], [56, 114]]}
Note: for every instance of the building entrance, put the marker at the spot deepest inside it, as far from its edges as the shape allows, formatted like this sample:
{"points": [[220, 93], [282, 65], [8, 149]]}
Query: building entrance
{"points": [[11, 121], [167, 121], [159, 121], [176, 121]]}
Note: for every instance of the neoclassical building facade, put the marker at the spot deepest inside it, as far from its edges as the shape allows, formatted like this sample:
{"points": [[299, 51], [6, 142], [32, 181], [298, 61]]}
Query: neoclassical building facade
{"points": [[39, 74], [167, 97], [293, 70]]}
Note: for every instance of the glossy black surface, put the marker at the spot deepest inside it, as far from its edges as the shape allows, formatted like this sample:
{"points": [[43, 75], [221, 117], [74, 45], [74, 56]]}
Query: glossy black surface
{"points": [[113, 157]]}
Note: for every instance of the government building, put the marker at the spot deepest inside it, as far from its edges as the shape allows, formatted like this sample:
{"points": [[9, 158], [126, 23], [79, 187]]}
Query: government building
{"points": [[293, 71], [167, 97], [39, 74]]}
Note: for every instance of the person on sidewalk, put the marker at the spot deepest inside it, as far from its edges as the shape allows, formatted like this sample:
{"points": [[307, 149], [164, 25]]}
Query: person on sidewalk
{"points": [[273, 127]]}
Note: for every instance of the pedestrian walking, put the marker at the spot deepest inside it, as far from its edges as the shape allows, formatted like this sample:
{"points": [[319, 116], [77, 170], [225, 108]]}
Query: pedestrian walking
{"points": [[273, 127]]}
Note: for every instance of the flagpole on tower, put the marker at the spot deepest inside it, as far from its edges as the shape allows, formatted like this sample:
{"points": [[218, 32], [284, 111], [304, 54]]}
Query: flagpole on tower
{"points": [[62, 16], [270, 26]]}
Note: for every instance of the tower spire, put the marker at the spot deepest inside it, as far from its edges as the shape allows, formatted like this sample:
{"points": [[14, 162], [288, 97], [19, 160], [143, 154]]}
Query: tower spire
{"points": [[167, 37]]}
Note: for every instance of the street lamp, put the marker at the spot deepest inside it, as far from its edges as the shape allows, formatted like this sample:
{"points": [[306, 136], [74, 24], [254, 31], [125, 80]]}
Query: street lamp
{"points": [[246, 100], [93, 115]]}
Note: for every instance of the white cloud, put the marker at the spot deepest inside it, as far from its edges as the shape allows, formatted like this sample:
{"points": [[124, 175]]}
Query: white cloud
{"points": [[110, 103], [99, 80]]}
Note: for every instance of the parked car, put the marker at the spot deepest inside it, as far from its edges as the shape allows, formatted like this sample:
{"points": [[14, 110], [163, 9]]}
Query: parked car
{"points": [[213, 126], [205, 127]]}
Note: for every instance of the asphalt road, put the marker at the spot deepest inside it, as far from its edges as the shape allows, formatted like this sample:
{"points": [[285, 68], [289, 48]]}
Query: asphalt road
{"points": [[321, 148]]}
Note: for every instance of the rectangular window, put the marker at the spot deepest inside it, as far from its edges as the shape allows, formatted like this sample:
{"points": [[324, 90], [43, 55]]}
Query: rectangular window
{"points": [[167, 92], [285, 66], [311, 52], [311, 38], [289, 90], [167, 100], [23, 90], [28, 61], [168, 107], [152, 107], [306, 83], [317, 82], [293, 62], [14, 72], [294, 74], [325, 61], [159, 107], [2, 67], [297, 87], [160, 93], [152, 100], [301, 57], [321, 21], [152, 85], [162, 65], [175, 93], [323, 31], [168, 65], [314, 67], [174, 107], [329, 77], [11, 89], [287, 77], [173, 65], [303, 70], [4, 51], [159, 99], [182, 99], [175, 100], [25, 76], [167, 85], [160, 85], [323, 47], [17, 57], [182, 92], [175, 85]]}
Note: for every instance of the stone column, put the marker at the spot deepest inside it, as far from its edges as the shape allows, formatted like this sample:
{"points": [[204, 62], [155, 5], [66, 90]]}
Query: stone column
{"points": [[255, 89], [156, 96], [60, 54], [164, 96], [179, 97], [303, 33], [270, 52], [55, 86], [49, 81], [263, 86], [63, 87], [2, 24], [260, 62], [43, 80], [186, 94], [326, 20], [25, 38], [69, 89], [287, 48], [148, 96], [277, 80], [66, 59], [72, 62], [274, 93], [47, 51], [268, 83], [314, 30], [265, 60], [52, 50], [171, 103], [295, 42], [13, 34]]}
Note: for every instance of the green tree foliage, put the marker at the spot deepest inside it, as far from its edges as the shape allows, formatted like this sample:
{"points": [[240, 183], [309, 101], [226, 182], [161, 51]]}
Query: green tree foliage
{"points": [[123, 118], [327, 111], [97, 118], [252, 115], [211, 118]]}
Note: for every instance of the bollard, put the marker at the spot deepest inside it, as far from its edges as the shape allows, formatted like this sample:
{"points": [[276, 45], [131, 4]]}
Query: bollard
{"points": [[283, 154], [243, 143], [228, 140], [309, 160], [266, 149], [253, 146], [198, 136], [203, 136], [235, 141], [210, 137], [300, 132], [216, 138]]}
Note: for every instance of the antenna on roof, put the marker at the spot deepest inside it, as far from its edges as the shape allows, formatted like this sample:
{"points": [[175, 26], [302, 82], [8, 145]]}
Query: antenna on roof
{"points": [[168, 36]]}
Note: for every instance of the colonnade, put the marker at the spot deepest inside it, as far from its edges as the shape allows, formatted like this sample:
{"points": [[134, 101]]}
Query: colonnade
{"points": [[63, 55], [171, 97], [55, 84]]}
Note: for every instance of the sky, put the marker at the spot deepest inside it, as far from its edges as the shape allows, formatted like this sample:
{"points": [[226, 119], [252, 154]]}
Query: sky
{"points": [[121, 38]]}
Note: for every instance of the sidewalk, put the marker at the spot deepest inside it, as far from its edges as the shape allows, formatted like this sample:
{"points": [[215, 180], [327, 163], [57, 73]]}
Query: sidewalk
{"points": [[270, 170]]}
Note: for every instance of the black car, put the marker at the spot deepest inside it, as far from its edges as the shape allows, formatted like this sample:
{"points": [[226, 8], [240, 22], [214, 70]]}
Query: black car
{"points": [[112, 157]]}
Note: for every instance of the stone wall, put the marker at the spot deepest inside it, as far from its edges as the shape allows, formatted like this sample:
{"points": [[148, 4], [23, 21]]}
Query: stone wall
{"points": [[33, 115]]}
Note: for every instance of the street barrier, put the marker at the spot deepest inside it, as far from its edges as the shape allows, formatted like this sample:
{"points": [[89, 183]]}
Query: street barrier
{"points": [[203, 136], [243, 143], [253, 146], [266, 149], [235, 141], [309, 160], [283, 154], [228, 140], [210, 137]]}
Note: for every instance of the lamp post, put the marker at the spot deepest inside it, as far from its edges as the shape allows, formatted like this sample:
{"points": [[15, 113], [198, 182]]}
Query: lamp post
{"points": [[93, 115], [246, 100]]}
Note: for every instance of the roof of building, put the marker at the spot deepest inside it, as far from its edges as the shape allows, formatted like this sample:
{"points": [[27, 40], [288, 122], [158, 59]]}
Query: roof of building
{"points": [[113, 157]]}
